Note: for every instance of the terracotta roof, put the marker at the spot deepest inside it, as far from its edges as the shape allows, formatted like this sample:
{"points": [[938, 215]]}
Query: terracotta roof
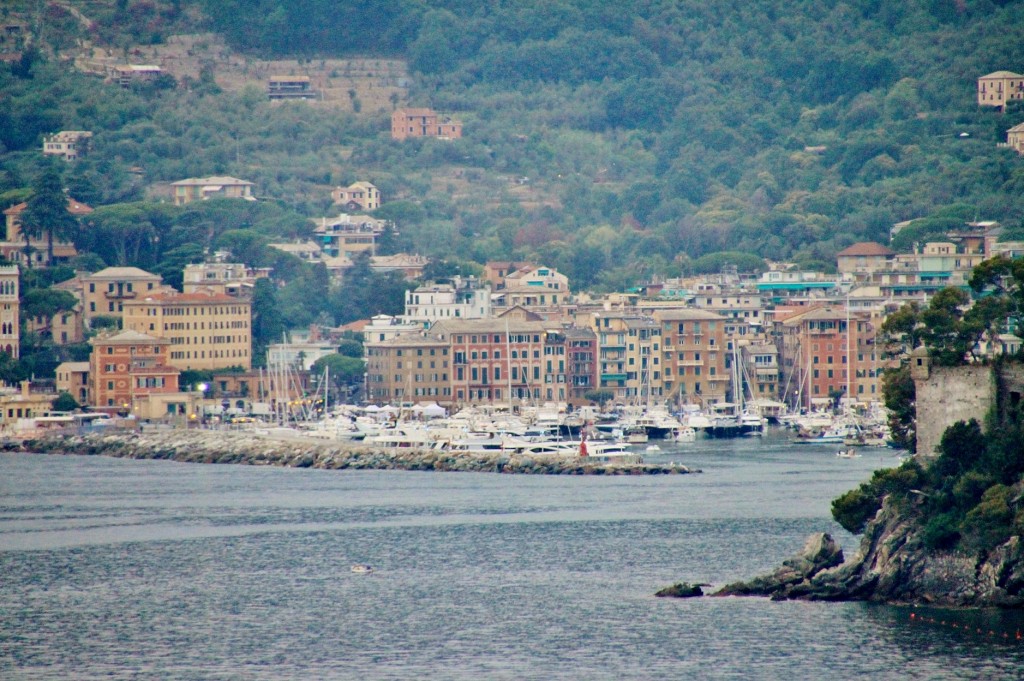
{"points": [[1002, 74], [74, 207], [177, 298], [865, 248]]}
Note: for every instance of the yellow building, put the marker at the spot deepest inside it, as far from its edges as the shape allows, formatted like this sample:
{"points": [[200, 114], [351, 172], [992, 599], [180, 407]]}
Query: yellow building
{"points": [[105, 292], [695, 352], [73, 379], [629, 356], [996, 89], [206, 330]]}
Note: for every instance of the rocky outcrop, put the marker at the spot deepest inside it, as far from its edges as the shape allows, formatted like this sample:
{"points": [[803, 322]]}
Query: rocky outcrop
{"points": [[681, 590], [819, 553], [892, 565], [201, 446]]}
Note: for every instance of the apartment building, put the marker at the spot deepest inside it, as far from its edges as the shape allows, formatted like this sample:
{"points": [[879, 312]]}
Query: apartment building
{"points": [[827, 353], [458, 299], [629, 360], [348, 234], [226, 278], [695, 352], [409, 368], [205, 330], [128, 365]]}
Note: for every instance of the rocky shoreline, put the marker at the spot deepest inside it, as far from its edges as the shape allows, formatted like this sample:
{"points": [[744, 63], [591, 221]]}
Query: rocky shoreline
{"points": [[891, 566], [240, 447]]}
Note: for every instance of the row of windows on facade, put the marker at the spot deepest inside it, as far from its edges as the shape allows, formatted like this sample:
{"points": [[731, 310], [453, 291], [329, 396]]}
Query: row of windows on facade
{"points": [[112, 287], [144, 382], [214, 354], [197, 311], [201, 326], [204, 340]]}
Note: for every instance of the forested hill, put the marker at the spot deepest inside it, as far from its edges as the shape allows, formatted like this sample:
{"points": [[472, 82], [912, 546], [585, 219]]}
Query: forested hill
{"points": [[779, 127], [612, 140]]}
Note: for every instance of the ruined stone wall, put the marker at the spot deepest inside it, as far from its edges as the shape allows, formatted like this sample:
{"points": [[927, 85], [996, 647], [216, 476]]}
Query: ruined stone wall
{"points": [[948, 395]]}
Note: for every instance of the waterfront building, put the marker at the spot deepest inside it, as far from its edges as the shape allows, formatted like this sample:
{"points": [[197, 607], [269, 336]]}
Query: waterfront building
{"points": [[629, 356], [23, 403], [695, 356], [409, 368], [73, 379], [127, 365], [10, 311], [205, 330]]}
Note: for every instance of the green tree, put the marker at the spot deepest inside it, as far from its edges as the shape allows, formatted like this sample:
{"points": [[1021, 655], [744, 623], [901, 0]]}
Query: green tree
{"points": [[349, 347], [65, 402], [47, 211], [345, 372], [267, 325]]}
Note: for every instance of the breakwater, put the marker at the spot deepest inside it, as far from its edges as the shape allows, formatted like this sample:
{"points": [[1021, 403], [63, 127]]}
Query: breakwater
{"points": [[240, 447]]}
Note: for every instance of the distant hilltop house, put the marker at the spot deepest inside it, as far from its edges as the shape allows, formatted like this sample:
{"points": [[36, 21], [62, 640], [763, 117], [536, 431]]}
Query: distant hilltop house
{"points": [[347, 234], [996, 89], [127, 74], [406, 123], [357, 196], [203, 188], [290, 87], [68, 144]]}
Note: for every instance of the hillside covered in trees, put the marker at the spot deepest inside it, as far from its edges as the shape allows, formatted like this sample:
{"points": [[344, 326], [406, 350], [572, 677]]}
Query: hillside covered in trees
{"points": [[611, 141]]}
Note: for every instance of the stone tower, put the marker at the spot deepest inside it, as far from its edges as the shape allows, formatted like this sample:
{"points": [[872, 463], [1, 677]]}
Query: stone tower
{"points": [[10, 327]]}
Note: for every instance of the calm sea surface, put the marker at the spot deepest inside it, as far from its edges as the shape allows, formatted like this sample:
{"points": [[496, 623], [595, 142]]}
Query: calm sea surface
{"points": [[120, 569]]}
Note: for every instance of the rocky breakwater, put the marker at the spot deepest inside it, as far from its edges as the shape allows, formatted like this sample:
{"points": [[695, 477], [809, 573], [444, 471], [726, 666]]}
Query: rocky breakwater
{"points": [[239, 447], [892, 565]]}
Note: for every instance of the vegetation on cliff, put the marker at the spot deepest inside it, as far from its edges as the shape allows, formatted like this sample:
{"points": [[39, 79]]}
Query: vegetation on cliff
{"points": [[648, 136]]}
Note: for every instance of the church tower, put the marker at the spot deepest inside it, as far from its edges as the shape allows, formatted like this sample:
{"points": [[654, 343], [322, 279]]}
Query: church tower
{"points": [[10, 326]]}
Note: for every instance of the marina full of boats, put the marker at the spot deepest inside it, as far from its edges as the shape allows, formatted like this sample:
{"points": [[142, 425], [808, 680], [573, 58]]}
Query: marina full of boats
{"points": [[554, 430]]}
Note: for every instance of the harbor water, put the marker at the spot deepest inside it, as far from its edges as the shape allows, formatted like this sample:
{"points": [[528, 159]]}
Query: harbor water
{"points": [[121, 569]]}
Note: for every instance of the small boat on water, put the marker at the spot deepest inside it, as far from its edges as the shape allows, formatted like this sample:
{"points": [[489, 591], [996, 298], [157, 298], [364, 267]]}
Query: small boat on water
{"points": [[848, 454], [362, 569]]}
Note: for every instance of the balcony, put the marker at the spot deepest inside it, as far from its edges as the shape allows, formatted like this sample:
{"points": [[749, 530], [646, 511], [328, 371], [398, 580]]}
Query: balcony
{"points": [[119, 295]]}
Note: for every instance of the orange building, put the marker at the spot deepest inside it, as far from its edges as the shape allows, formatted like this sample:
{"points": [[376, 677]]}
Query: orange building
{"points": [[406, 123], [127, 366]]}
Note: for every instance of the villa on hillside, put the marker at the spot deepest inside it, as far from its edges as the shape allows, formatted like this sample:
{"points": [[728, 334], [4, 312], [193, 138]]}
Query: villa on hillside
{"points": [[290, 87], [203, 188], [1015, 138], [68, 144], [357, 196], [996, 89], [13, 246], [406, 123]]}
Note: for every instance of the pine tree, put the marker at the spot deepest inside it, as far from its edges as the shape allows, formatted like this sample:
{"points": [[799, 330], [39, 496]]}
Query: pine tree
{"points": [[47, 212]]}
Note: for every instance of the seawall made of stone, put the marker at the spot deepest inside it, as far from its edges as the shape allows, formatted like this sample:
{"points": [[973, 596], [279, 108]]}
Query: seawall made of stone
{"points": [[201, 446]]}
